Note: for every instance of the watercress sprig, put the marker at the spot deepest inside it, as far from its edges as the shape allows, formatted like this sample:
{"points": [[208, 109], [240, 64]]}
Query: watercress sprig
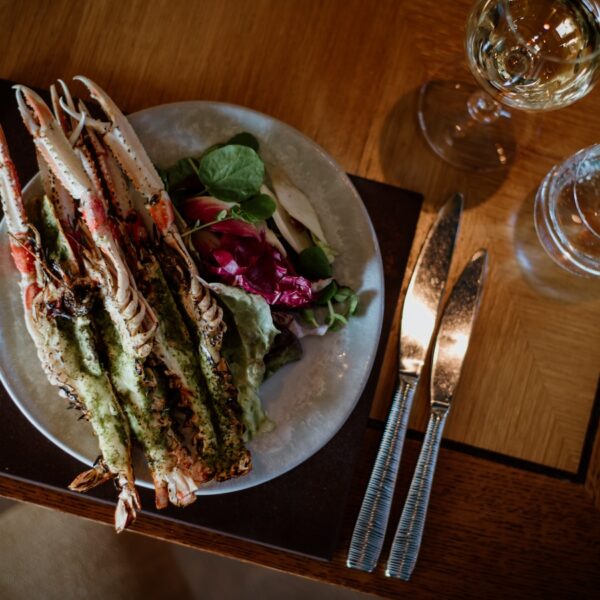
{"points": [[341, 303]]}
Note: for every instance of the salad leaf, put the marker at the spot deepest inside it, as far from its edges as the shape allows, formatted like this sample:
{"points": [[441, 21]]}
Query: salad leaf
{"points": [[233, 172], [338, 303], [216, 215], [293, 206], [203, 208], [175, 175], [255, 335], [292, 231], [330, 253], [335, 320], [313, 263], [348, 295], [244, 139], [328, 293], [286, 348], [309, 317], [258, 208]]}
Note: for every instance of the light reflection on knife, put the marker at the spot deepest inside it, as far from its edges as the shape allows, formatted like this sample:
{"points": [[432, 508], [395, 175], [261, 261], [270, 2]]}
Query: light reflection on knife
{"points": [[450, 349], [419, 314]]}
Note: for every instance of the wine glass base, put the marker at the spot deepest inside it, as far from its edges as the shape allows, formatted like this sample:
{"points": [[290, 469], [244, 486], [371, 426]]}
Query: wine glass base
{"points": [[456, 136]]}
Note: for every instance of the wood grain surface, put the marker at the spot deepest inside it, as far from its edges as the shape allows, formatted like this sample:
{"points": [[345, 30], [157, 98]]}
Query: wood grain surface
{"points": [[347, 73]]}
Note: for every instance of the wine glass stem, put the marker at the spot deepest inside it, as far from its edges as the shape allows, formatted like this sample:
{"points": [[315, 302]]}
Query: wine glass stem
{"points": [[482, 110]]}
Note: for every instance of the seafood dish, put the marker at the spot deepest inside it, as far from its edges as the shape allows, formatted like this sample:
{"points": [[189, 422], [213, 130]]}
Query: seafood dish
{"points": [[160, 299]]}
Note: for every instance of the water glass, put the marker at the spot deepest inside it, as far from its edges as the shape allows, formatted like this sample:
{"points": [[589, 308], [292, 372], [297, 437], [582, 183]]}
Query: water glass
{"points": [[567, 213]]}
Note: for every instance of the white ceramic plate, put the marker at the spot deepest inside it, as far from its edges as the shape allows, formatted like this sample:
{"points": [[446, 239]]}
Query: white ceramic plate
{"points": [[308, 400]]}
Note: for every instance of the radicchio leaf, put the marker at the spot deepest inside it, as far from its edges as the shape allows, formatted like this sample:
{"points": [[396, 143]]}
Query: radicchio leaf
{"points": [[256, 266]]}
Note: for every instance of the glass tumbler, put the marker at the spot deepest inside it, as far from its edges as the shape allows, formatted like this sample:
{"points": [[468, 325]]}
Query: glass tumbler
{"points": [[567, 213]]}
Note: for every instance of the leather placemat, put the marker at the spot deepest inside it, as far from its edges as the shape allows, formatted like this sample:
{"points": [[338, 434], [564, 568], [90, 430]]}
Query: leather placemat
{"points": [[300, 511]]}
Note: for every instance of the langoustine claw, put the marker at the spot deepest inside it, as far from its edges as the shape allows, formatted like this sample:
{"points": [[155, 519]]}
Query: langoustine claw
{"points": [[120, 137]]}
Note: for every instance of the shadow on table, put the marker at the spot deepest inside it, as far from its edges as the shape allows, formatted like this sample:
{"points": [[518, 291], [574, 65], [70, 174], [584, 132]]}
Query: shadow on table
{"points": [[539, 270], [403, 152]]}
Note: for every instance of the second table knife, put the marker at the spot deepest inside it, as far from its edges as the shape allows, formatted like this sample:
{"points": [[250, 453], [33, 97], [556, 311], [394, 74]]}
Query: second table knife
{"points": [[450, 349], [419, 315]]}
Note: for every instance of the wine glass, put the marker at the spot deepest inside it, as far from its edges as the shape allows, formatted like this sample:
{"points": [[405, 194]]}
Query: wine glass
{"points": [[567, 213], [528, 54]]}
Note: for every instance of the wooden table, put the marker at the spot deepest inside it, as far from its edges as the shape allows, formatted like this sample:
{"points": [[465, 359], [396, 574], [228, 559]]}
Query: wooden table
{"points": [[513, 505]]}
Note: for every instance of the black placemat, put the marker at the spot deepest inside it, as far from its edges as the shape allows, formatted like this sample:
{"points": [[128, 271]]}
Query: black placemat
{"points": [[300, 511]]}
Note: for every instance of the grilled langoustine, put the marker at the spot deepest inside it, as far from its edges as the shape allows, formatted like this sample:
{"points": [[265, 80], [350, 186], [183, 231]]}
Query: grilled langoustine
{"points": [[199, 305], [57, 301]]}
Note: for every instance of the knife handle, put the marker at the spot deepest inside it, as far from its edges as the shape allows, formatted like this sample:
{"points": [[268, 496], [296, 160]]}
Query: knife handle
{"points": [[407, 540], [369, 531]]}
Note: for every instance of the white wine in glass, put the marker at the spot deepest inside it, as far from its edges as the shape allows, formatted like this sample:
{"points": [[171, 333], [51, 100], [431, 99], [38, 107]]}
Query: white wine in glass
{"points": [[527, 54]]}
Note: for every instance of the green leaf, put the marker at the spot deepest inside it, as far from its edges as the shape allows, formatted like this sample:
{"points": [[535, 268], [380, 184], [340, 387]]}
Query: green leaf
{"points": [[343, 294], [327, 294], [244, 139], [313, 263], [330, 253], [221, 215], [286, 348], [175, 175], [308, 316], [336, 326], [246, 346], [335, 320], [352, 304], [258, 208], [233, 173]]}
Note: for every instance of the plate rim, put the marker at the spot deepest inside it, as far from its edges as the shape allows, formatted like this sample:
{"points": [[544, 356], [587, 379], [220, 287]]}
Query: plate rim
{"points": [[217, 490]]}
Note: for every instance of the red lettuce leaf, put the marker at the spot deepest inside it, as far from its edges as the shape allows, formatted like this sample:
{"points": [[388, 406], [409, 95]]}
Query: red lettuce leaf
{"points": [[256, 266]]}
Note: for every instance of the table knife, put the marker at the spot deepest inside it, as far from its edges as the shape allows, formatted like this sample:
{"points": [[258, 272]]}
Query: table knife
{"points": [[450, 349], [419, 315]]}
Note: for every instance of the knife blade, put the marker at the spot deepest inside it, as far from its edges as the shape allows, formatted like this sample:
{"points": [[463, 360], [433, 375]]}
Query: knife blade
{"points": [[450, 349], [419, 315]]}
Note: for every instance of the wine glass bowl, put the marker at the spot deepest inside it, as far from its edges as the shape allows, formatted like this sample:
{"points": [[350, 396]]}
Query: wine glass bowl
{"points": [[534, 54]]}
